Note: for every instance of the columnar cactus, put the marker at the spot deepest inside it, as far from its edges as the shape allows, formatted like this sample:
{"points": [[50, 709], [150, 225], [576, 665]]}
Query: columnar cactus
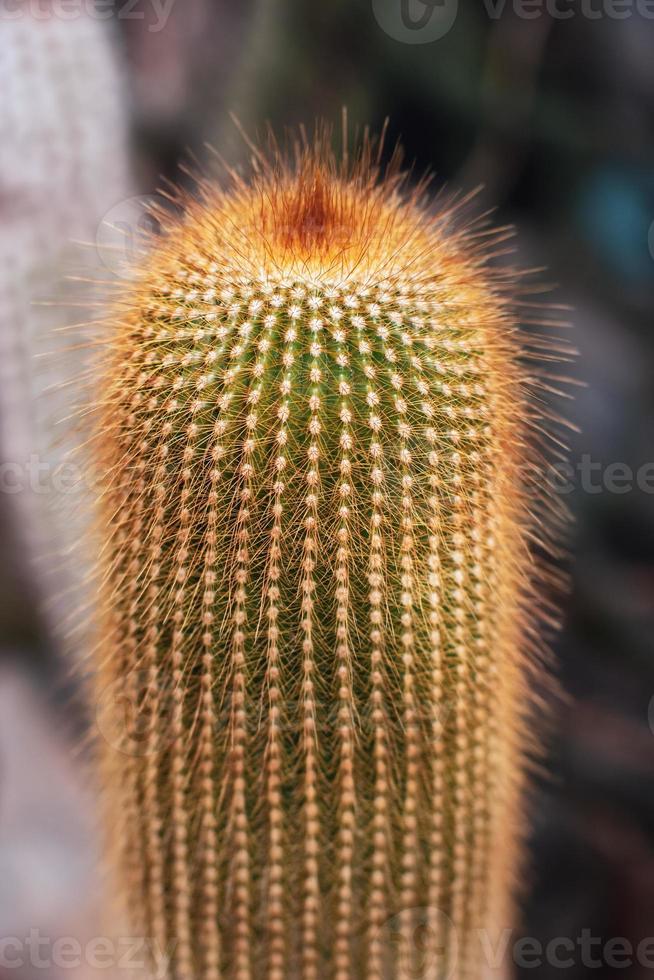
{"points": [[318, 584], [64, 164]]}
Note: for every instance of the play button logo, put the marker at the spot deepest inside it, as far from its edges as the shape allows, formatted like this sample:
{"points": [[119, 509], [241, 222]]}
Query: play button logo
{"points": [[415, 21]]}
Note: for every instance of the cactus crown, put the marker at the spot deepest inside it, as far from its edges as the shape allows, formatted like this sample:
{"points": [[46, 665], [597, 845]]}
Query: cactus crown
{"points": [[317, 578]]}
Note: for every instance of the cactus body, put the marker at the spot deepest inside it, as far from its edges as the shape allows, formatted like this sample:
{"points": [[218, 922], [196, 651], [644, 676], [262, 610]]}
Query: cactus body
{"points": [[317, 583]]}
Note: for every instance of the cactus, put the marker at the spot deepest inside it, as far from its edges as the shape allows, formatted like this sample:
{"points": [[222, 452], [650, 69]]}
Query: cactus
{"points": [[65, 160], [321, 577]]}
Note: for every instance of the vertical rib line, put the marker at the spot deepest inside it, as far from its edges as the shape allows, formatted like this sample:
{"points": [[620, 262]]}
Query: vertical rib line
{"points": [[483, 581], [181, 883], [134, 823], [408, 880], [462, 791], [311, 886], [155, 713], [377, 580], [275, 912], [209, 919], [345, 841], [240, 860]]}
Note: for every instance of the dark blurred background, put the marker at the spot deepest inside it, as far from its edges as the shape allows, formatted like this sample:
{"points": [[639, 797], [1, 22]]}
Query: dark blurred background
{"points": [[551, 108]]}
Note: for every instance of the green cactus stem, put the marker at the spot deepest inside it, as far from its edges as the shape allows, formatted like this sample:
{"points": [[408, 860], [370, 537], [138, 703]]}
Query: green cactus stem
{"points": [[321, 583]]}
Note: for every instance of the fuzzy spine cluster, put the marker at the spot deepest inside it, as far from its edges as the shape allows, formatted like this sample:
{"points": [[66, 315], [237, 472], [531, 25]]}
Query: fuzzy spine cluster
{"points": [[317, 588]]}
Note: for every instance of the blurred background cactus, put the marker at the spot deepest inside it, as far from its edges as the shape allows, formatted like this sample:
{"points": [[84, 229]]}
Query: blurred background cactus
{"points": [[65, 165], [319, 588], [64, 162]]}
